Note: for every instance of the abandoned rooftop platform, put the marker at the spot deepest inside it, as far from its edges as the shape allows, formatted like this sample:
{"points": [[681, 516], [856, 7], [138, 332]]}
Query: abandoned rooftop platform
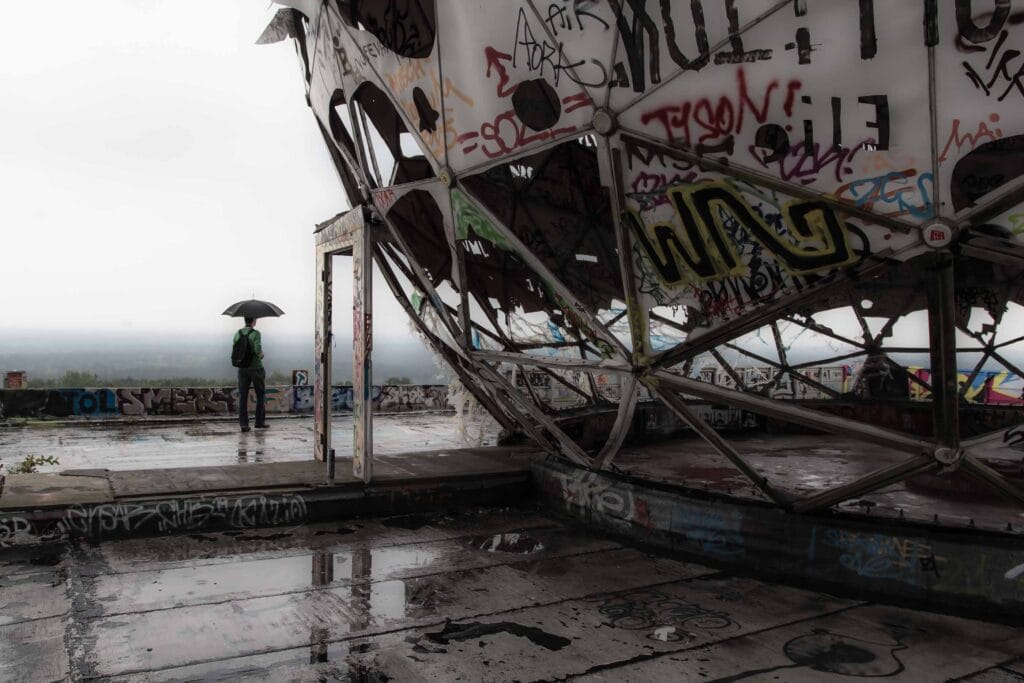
{"points": [[921, 544]]}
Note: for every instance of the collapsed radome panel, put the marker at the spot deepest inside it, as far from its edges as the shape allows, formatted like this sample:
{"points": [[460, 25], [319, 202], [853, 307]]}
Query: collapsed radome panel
{"points": [[803, 213]]}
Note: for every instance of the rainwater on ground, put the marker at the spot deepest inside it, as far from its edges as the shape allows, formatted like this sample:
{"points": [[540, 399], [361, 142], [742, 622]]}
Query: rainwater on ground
{"points": [[499, 595]]}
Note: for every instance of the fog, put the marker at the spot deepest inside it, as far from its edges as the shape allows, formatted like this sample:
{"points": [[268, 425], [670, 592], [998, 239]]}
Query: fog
{"points": [[48, 356]]}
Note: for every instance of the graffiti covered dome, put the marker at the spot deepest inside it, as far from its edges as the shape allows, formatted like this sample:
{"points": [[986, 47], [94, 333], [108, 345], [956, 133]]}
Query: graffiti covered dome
{"points": [[623, 187]]}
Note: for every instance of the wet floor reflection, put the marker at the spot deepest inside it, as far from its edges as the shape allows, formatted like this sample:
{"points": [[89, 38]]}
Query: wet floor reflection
{"points": [[366, 603], [251, 446]]}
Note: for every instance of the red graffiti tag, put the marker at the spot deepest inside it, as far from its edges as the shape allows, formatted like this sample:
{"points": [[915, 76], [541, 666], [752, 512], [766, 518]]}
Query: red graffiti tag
{"points": [[712, 120]]}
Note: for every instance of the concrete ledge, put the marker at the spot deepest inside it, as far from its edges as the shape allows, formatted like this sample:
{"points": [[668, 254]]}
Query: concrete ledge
{"points": [[51, 508], [968, 571]]}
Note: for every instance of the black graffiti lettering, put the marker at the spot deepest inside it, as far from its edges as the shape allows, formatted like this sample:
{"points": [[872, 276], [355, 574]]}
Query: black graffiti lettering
{"points": [[702, 225], [806, 260], [632, 35], [669, 247], [726, 146], [931, 23], [738, 54], [837, 123], [808, 137], [557, 13], [540, 54], [868, 39], [803, 45], [881, 121], [735, 40], [711, 215], [774, 137], [980, 34], [700, 32]]}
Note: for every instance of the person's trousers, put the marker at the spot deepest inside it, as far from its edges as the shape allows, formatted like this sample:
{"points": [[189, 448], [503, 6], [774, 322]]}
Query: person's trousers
{"points": [[257, 379]]}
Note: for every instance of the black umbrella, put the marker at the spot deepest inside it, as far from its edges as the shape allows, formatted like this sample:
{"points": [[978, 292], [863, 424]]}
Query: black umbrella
{"points": [[253, 308]]}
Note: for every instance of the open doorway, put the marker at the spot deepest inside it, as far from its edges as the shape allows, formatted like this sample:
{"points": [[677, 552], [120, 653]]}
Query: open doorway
{"points": [[346, 235]]}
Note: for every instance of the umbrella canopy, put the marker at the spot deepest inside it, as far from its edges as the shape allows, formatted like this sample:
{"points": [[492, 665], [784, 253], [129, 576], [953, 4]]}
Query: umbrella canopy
{"points": [[253, 308]]}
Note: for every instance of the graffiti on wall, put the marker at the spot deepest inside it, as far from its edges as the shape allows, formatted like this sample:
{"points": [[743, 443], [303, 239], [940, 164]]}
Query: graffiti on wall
{"points": [[160, 517], [200, 401]]}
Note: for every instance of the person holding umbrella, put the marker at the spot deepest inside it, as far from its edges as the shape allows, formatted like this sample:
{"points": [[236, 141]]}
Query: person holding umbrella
{"points": [[247, 356]]}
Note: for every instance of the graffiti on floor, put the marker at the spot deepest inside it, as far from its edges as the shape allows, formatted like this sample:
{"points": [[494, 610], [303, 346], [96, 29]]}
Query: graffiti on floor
{"points": [[835, 653], [667, 617]]}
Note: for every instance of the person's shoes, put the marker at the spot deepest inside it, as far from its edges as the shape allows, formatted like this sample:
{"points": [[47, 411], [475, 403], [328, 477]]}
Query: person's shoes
{"points": [[245, 429], [263, 426]]}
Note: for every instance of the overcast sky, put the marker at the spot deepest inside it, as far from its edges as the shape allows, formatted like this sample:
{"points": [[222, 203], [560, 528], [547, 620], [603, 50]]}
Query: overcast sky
{"points": [[156, 166]]}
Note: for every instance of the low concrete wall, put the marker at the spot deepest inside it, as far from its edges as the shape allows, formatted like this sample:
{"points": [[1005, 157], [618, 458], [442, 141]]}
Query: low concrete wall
{"points": [[108, 402], [971, 571], [187, 514]]}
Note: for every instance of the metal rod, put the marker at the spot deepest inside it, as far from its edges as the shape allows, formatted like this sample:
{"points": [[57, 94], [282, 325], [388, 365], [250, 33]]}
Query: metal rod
{"points": [[716, 441], [569, 448], [740, 384], [759, 317], [993, 479], [872, 482], [942, 335], [639, 323], [567, 384], [799, 377], [560, 362], [471, 383], [821, 329], [795, 414], [573, 306], [623, 420]]}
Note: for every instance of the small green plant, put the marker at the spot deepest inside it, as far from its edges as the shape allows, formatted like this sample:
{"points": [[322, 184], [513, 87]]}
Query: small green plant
{"points": [[31, 464]]}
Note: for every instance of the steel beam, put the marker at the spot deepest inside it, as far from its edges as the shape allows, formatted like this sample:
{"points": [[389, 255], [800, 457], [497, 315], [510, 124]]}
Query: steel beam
{"points": [[794, 414], [708, 433], [623, 420], [991, 478], [872, 482], [942, 335]]}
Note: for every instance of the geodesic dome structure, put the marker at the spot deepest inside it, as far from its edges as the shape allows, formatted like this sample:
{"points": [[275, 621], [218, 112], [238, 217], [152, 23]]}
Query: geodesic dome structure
{"points": [[615, 201]]}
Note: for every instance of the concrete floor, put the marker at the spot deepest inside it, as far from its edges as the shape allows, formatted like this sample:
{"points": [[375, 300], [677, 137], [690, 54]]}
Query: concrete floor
{"points": [[198, 443], [795, 463], [511, 595], [803, 464]]}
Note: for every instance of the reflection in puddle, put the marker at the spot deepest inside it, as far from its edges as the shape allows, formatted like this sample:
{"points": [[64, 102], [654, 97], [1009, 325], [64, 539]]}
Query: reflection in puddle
{"points": [[246, 455], [517, 543]]}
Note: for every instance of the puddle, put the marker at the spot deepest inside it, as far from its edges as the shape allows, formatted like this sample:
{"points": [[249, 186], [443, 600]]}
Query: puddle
{"points": [[473, 630], [517, 543]]}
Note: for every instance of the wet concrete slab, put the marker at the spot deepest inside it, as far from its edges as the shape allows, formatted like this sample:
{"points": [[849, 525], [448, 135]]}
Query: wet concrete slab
{"points": [[502, 595], [800, 465], [868, 641], [42, 490], [57, 490], [32, 651], [203, 443], [204, 455]]}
